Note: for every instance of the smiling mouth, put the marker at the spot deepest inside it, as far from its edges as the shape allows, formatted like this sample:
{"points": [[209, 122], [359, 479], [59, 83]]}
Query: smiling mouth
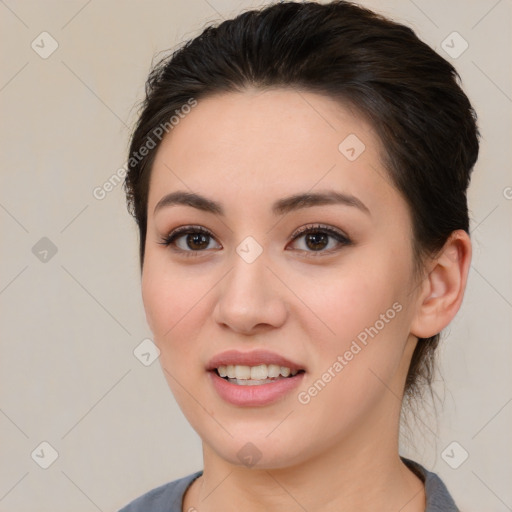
{"points": [[255, 375]]}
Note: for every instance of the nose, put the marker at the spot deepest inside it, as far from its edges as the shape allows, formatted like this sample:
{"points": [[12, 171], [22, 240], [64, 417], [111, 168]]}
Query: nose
{"points": [[250, 298]]}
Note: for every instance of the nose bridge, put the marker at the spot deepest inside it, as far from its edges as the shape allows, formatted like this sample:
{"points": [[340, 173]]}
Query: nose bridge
{"points": [[248, 283], [249, 273], [248, 296]]}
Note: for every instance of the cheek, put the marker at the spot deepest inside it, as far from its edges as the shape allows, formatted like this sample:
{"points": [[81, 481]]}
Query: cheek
{"points": [[364, 319], [167, 293], [349, 299], [176, 305], [170, 312]]}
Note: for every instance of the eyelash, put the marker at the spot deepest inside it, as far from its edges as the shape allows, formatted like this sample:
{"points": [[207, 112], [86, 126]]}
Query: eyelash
{"points": [[342, 239], [185, 230]]}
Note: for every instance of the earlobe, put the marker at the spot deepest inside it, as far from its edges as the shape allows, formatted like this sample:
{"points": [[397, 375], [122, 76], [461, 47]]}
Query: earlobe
{"points": [[443, 288]]}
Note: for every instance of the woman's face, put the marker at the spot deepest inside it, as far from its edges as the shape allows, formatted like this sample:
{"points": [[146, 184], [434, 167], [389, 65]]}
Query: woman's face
{"points": [[335, 306]]}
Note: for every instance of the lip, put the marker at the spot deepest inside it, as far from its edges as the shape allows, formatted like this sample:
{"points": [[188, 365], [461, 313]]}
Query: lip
{"points": [[258, 395], [251, 396], [253, 358]]}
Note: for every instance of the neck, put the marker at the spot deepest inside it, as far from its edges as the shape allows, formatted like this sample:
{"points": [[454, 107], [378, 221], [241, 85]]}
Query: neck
{"points": [[360, 473]]}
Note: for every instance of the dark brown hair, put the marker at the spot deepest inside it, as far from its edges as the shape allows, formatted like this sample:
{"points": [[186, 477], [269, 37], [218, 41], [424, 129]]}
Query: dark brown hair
{"points": [[409, 94]]}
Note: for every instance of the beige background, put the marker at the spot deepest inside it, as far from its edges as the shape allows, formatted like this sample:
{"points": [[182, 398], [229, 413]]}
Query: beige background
{"points": [[70, 323]]}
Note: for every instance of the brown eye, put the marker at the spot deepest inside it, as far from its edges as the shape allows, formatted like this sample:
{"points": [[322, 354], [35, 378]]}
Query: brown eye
{"points": [[197, 241], [319, 239], [190, 240]]}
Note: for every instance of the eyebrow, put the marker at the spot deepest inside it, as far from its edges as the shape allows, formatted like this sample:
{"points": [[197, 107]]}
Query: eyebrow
{"points": [[280, 207]]}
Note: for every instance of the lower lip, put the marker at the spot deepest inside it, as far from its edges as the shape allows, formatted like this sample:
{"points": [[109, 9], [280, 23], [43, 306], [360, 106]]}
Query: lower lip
{"points": [[261, 394]]}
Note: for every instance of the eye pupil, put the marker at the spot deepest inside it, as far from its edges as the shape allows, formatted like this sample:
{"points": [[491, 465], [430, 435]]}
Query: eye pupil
{"points": [[319, 240], [197, 241]]}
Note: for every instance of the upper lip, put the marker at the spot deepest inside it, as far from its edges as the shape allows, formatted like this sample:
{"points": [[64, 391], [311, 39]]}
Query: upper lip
{"points": [[253, 358]]}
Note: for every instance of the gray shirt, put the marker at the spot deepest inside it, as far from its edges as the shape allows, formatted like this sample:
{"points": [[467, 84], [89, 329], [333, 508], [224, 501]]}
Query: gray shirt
{"points": [[169, 497]]}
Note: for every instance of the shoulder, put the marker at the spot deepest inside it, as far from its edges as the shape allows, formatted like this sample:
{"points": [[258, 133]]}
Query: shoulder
{"points": [[165, 498], [437, 496]]}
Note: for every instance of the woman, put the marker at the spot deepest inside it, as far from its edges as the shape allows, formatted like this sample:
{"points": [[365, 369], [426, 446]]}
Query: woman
{"points": [[298, 175]]}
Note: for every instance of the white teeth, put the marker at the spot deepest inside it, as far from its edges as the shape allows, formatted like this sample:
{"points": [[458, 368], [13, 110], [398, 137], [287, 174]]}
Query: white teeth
{"points": [[259, 372], [242, 372], [273, 370]]}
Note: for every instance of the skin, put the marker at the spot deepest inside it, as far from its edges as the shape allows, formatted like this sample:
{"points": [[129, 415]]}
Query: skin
{"points": [[338, 452]]}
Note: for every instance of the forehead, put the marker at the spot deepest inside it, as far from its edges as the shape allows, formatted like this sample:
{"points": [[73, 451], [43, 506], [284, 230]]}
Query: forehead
{"points": [[253, 146]]}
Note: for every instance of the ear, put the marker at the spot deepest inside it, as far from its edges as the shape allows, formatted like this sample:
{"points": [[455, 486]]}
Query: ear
{"points": [[442, 290]]}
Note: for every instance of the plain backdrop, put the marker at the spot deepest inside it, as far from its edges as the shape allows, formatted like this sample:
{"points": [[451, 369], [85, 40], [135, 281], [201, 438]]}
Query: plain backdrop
{"points": [[71, 310]]}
